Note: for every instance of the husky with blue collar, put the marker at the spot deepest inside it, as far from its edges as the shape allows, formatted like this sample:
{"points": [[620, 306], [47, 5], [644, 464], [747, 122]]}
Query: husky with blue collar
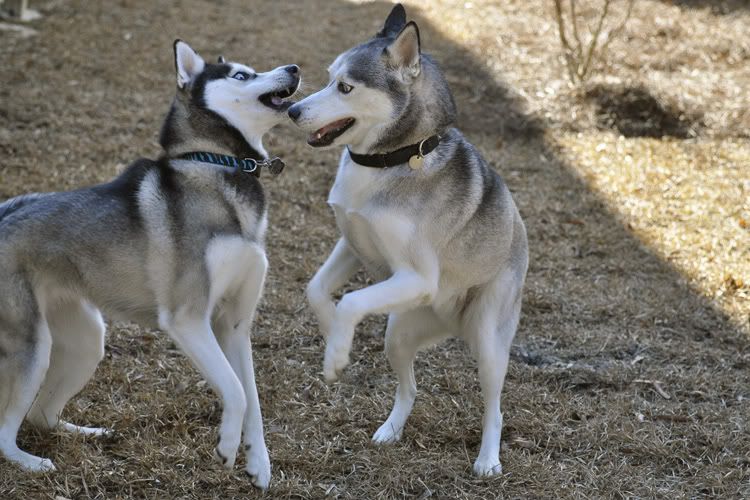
{"points": [[420, 209], [175, 243]]}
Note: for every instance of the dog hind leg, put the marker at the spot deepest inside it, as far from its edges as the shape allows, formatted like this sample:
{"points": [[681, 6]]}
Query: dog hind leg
{"points": [[233, 331], [77, 348], [493, 324], [406, 333], [21, 375]]}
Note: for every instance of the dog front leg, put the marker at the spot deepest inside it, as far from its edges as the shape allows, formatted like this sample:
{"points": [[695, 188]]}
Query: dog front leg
{"points": [[405, 290], [335, 272]]}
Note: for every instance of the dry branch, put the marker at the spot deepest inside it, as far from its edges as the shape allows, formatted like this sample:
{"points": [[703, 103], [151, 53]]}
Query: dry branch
{"points": [[580, 55]]}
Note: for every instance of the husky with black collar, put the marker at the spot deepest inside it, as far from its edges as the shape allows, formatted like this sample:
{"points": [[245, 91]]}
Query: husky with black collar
{"points": [[176, 243], [419, 208]]}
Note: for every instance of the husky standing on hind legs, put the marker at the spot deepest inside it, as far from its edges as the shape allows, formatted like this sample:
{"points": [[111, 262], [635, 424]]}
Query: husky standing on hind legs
{"points": [[176, 243], [418, 207]]}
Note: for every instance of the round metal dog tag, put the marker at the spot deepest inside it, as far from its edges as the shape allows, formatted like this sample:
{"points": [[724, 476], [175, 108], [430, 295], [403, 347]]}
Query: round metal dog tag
{"points": [[415, 162]]}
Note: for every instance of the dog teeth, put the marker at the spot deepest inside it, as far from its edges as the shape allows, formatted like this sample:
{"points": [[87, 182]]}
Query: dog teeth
{"points": [[318, 135]]}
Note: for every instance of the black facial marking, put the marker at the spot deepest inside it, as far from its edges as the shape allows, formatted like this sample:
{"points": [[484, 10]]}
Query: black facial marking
{"points": [[189, 109], [210, 72]]}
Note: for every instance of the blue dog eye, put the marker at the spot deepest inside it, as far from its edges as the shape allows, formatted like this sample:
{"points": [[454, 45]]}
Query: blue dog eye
{"points": [[241, 75]]}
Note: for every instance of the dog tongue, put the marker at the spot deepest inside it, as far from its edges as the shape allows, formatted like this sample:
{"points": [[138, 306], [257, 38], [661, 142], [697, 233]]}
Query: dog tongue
{"points": [[331, 126], [277, 101]]}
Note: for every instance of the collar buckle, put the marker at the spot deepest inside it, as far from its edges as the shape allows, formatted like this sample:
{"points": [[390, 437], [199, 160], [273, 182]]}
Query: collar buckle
{"points": [[249, 165], [420, 154]]}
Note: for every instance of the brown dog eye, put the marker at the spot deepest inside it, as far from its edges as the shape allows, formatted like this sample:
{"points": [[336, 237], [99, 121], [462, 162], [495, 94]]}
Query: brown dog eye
{"points": [[344, 88]]}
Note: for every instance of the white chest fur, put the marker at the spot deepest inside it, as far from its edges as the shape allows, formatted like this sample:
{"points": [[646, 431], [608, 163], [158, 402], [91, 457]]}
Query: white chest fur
{"points": [[376, 231]]}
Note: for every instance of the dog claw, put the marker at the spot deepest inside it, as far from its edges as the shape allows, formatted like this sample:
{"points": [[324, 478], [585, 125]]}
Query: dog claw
{"points": [[386, 434], [486, 469], [219, 457], [224, 461], [258, 469]]}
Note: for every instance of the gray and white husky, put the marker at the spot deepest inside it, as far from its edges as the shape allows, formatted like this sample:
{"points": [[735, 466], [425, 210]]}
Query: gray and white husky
{"points": [[419, 208], [176, 243]]}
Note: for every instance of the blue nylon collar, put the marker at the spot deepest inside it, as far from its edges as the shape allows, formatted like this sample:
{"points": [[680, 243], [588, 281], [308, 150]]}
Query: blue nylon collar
{"points": [[247, 165]]}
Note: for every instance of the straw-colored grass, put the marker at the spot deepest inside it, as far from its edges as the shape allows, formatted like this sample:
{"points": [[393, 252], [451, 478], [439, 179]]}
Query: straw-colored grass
{"points": [[630, 374]]}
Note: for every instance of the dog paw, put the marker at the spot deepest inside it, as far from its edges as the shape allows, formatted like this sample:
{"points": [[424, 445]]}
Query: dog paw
{"points": [[33, 464], [387, 434], [258, 468], [224, 457], [324, 309], [334, 363], [486, 468], [44, 465]]}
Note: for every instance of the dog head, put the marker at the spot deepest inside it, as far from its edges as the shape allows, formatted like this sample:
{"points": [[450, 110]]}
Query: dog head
{"points": [[226, 98], [381, 94]]}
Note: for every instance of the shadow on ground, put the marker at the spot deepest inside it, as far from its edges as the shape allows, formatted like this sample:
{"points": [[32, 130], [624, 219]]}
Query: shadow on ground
{"points": [[624, 379], [720, 7]]}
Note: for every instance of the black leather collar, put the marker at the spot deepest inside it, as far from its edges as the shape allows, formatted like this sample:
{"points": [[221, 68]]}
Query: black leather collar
{"points": [[400, 156]]}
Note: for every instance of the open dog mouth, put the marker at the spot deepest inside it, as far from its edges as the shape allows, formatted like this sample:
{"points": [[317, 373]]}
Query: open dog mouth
{"points": [[326, 135], [276, 100]]}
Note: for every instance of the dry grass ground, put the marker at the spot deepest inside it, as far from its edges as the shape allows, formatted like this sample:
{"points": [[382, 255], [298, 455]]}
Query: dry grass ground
{"points": [[631, 369]]}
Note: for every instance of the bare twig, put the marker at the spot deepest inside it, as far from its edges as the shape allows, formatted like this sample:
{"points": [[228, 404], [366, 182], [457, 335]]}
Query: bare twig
{"points": [[574, 22], [584, 70], [656, 385], [567, 50], [615, 32], [579, 55]]}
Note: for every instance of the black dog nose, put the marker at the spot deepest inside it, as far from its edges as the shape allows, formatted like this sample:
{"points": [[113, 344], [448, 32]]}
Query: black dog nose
{"points": [[294, 112], [292, 69]]}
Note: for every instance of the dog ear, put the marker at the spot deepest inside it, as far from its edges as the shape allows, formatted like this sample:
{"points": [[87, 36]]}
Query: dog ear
{"points": [[405, 50], [394, 23], [187, 63], [221, 60]]}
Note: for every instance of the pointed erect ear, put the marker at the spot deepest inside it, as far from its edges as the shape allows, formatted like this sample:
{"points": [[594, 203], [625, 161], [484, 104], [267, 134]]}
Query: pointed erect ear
{"points": [[394, 23], [221, 60], [187, 62], [404, 51]]}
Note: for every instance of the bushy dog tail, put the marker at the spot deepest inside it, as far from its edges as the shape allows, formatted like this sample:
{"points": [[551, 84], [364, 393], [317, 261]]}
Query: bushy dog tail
{"points": [[13, 204]]}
